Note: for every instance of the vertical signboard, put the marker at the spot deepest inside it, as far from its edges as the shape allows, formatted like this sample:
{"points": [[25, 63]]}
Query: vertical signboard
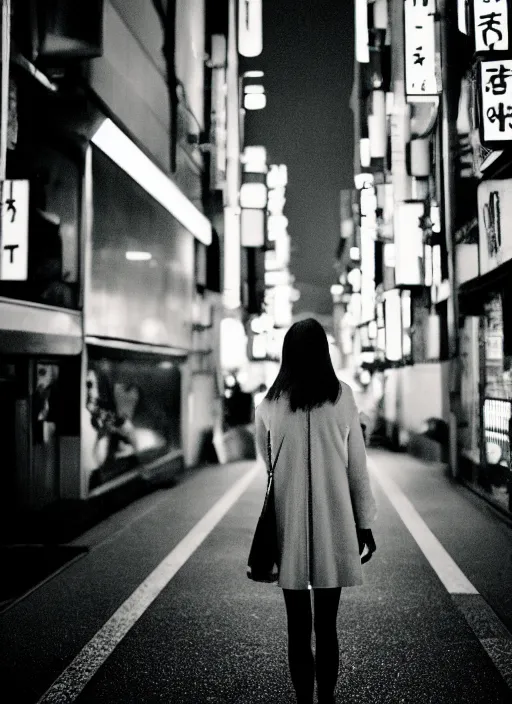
{"points": [[250, 27], [15, 231], [409, 243], [496, 102], [218, 112], [422, 71], [494, 223], [490, 23]]}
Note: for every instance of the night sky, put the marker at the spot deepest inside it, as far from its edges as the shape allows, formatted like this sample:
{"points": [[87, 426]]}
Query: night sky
{"points": [[307, 125]]}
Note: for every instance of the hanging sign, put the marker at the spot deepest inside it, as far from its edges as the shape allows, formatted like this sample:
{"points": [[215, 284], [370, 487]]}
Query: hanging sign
{"points": [[494, 222], [15, 231], [250, 27], [409, 243], [495, 93], [421, 63], [490, 25]]}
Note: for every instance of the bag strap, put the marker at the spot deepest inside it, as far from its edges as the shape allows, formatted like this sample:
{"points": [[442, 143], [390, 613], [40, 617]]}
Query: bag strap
{"points": [[310, 501], [272, 465]]}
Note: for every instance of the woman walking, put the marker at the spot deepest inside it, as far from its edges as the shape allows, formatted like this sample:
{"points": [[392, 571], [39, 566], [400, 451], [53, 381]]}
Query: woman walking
{"points": [[324, 504]]}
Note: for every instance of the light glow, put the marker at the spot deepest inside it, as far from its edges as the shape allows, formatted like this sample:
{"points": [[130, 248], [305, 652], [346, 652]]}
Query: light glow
{"points": [[361, 27], [252, 227], [250, 27], [132, 160], [364, 152], [255, 101], [254, 88], [138, 256], [254, 74], [408, 243], [461, 16], [253, 195], [254, 159]]}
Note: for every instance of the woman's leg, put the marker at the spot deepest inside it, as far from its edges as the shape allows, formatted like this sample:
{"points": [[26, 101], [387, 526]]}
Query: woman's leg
{"points": [[300, 655], [326, 637]]}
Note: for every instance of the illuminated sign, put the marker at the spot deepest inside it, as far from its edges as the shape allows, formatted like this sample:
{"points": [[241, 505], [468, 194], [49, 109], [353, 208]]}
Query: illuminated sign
{"points": [[252, 225], [218, 112], [377, 126], [368, 274], [494, 222], [490, 25], [421, 64], [250, 27], [15, 231], [409, 243], [361, 28], [253, 195], [276, 226], [461, 16], [393, 325], [254, 101], [126, 154], [276, 200], [277, 176], [496, 101], [254, 160]]}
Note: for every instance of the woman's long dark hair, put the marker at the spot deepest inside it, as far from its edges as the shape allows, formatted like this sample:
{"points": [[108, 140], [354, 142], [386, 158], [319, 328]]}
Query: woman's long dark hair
{"points": [[306, 375]]}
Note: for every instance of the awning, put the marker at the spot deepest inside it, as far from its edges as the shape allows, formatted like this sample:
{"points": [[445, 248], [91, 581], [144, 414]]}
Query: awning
{"points": [[487, 282]]}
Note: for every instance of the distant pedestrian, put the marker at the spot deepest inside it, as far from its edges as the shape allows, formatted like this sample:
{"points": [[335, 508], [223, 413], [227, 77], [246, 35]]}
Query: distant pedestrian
{"points": [[324, 503]]}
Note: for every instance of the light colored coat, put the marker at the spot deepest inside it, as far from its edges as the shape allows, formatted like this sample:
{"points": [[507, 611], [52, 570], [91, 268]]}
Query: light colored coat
{"points": [[340, 490]]}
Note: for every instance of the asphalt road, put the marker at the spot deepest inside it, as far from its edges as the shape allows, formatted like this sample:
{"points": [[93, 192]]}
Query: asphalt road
{"points": [[211, 635]]}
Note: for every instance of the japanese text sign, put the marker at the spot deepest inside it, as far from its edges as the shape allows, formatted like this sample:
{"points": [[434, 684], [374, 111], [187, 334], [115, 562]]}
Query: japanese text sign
{"points": [[14, 255], [421, 64], [490, 25], [496, 101]]}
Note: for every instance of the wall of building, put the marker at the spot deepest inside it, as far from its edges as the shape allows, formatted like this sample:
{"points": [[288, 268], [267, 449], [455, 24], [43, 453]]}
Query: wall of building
{"points": [[130, 76]]}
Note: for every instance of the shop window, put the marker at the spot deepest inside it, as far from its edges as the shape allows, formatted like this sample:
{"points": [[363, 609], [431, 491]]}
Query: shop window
{"points": [[53, 239]]}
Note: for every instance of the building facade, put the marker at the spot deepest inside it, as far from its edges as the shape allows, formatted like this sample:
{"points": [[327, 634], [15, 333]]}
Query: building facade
{"points": [[423, 255], [114, 231]]}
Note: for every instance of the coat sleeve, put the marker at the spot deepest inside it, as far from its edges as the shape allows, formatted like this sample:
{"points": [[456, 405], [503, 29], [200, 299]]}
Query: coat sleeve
{"points": [[260, 433], [363, 501]]}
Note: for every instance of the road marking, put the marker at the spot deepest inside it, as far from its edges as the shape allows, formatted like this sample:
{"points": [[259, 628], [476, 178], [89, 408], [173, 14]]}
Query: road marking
{"points": [[444, 566], [68, 686], [485, 624]]}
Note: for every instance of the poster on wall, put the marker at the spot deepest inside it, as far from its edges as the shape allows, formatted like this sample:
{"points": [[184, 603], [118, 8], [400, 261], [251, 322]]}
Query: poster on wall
{"points": [[131, 415], [494, 223]]}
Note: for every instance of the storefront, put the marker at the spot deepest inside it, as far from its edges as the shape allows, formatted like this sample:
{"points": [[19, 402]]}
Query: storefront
{"points": [[40, 320], [138, 314], [486, 351]]}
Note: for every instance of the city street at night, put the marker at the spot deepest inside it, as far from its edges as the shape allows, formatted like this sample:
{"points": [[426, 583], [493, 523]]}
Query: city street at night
{"points": [[208, 634], [256, 351]]}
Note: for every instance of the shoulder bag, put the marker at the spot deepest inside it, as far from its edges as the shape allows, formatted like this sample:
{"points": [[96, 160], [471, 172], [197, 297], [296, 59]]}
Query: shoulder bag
{"points": [[264, 553]]}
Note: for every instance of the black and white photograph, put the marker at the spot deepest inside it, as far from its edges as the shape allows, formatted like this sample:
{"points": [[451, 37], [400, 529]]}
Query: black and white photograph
{"points": [[256, 351]]}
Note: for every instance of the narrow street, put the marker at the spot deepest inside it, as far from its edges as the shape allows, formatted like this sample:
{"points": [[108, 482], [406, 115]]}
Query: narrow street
{"points": [[202, 632]]}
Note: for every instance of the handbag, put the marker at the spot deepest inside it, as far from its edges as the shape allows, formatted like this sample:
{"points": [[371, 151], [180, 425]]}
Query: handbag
{"points": [[264, 553]]}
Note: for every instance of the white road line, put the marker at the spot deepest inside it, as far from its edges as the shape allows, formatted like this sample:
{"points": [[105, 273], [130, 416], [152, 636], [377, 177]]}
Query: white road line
{"points": [[75, 677], [454, 580]]}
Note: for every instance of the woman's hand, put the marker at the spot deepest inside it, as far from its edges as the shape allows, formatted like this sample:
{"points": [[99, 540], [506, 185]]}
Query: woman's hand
{"points": [[366, 540]]}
